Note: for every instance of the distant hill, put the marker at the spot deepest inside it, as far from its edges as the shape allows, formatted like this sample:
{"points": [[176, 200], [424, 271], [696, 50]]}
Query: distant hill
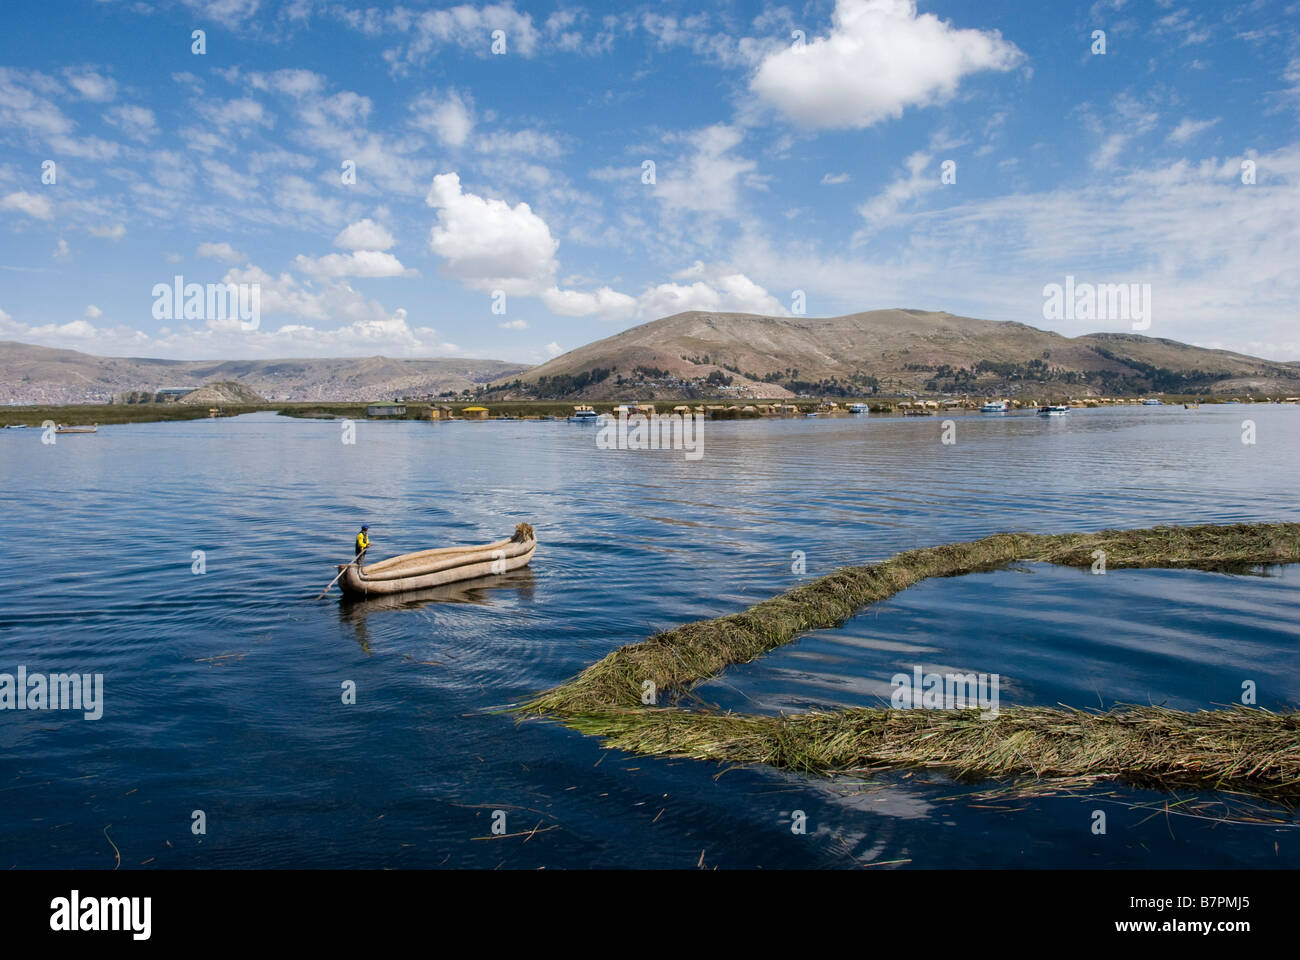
{"points": [[700, 354], [33, 374], [215, 394]]}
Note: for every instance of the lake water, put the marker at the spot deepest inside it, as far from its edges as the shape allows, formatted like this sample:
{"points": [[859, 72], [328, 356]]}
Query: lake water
{"points": [[222, 690]]}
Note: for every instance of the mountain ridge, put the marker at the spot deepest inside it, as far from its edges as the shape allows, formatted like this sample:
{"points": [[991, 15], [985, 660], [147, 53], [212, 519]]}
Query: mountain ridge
{"points": [[899, 350]]}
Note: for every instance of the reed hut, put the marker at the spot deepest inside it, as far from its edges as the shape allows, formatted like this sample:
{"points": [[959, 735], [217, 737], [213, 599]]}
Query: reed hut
{"points": [[475, 413]]}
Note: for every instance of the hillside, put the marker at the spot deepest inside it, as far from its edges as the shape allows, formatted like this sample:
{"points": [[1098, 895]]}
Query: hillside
{"points": [[32, 374], [889, 351], [215, 394]]}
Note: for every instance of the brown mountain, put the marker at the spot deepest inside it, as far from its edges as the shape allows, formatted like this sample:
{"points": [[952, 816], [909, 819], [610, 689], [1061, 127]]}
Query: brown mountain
{"points": [[891, 350], [32, 374]]}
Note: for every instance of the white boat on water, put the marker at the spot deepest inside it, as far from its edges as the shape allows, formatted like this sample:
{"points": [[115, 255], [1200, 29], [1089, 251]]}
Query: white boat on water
{"points": [[859, 408], [583, 415], [1054, 410], [1151, 402], [994, 406]]}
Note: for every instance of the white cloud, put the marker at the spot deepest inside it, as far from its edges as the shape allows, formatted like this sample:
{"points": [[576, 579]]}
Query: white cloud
{"points": [[834, 178], [714, 288], [93, 312], [115, 232], [706, 181], [364, 235], [220, 251], [553, 349], [360, 263], [880, 209], [514, 325], [577, 303], [92, 86], [879, 58], [31, 204], [450, 118], [465, 26], [1134, 120], [531, 143], [61, 250], [1189, 128], [488, 244], [236, 117], [138, 123]]}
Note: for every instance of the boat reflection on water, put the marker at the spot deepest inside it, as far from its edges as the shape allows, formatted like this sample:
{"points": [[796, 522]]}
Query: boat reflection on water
{"points": [[486, 591]]}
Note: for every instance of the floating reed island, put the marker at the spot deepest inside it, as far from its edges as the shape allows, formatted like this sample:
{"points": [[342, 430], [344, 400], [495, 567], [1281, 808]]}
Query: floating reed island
{"points": [[1238, 748]]}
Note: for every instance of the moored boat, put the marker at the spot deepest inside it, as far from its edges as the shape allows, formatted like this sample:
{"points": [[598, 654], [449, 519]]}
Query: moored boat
{"points": [[859, 408], [433, 568], [583, 414], [1054, 410], [61, 428], [994, 406]]}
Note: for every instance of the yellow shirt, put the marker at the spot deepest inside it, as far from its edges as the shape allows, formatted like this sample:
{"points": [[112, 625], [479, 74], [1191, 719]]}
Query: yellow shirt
{"points": [[362, 541]]}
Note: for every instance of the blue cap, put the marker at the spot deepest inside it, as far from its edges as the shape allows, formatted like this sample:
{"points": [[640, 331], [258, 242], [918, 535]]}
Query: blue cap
{"points": [[365, 527]]}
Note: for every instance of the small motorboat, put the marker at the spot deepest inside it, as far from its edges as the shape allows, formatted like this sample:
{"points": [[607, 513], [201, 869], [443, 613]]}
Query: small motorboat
{"points": [[1054, 410], [583, 415], [859, 408], [61, 428], [1151, 402], [434, 568], [994, 406]]}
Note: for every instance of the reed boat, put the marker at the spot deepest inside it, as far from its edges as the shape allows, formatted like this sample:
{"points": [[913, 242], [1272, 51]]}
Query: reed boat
{"points": [[433, 568], [61, 428]]}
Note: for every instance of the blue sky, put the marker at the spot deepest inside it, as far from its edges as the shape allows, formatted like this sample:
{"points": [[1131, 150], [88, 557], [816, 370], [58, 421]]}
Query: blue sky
{"points": [[796, 147]]}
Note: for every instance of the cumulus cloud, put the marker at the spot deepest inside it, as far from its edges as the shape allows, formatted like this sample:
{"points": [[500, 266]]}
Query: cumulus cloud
{"points": [[220, 251], [578, 303], [93, 312], [359, 263], [553, 349], [514, 325], [364, 235], [488, 244], [450, 118], [713, 288], [879, 58], [31, 204]]}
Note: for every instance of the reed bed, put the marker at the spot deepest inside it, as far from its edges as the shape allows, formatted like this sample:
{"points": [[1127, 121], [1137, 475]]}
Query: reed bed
{"points": [[675, 659], [1237, 748]]}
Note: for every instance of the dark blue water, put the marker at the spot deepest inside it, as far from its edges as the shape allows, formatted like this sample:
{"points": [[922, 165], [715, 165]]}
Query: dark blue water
{"points": [[223, 689]]}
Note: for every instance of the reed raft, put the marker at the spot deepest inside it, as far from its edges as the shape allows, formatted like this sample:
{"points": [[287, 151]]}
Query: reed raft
{"points": [[1238, 748]]}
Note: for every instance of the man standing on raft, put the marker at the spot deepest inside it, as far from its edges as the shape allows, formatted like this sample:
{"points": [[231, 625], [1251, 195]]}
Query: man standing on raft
{"points": [[363, 542]]}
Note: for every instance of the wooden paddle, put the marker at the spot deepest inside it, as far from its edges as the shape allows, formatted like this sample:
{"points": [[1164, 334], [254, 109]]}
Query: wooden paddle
{"points": [[336, 579]]}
